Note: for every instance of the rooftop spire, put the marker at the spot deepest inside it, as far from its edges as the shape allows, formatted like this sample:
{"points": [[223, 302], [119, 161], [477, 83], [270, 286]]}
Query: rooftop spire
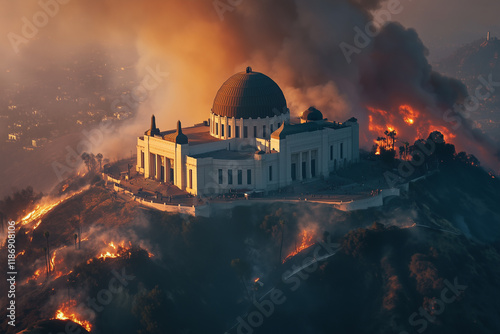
{"points": [[249, 69], [180, 138], [153, 122], [153, 130]]}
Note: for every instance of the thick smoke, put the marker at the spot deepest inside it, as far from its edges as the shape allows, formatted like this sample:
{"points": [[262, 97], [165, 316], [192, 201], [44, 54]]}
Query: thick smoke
{"points": [[201, 43]]}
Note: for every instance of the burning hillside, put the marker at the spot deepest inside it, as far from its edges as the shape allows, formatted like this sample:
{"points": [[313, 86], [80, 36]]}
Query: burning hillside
{"points": [[65, 312], [110, 281]]}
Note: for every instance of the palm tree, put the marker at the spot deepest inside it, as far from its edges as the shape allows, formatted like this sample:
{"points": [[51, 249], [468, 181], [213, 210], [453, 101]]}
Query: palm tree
{"points": [[392, 135], [46, 235]]}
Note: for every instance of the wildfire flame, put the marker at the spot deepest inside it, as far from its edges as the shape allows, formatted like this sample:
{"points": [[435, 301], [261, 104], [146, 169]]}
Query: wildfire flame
{"points": [[406, 119], [306, 242], [65, 313], [35, 276], [41, 210], [113, 251]]}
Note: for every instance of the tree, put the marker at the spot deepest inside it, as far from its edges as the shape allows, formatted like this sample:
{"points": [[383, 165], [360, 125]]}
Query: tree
{"points": [[86, 160], [391, 134], [99, 160], [151, 308]]}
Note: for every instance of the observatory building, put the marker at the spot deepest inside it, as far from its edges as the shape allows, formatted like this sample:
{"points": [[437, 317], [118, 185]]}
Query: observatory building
{"points": [[248, 143]]}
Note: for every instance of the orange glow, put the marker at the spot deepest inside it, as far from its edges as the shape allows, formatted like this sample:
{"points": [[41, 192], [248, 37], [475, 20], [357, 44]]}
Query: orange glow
{"points": [[37, 224], [113, 251], [35, 276], [307, 241], [256, 280], [106, 255], [41, 210], [53, 260], [407, 122], [409, 114], [65, 313]]}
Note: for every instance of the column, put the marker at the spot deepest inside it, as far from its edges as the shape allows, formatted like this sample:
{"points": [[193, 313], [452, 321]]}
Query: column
{"points": [[139, 162], [309, 164], [158, 167], [299, 167], [165, 169]]}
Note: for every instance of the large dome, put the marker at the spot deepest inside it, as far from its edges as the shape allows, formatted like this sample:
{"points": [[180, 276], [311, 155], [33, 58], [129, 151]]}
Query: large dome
{"points": [[249, 95]]}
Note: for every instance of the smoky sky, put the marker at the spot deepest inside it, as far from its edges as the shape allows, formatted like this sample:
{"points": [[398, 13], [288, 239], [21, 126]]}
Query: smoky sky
{"points": [[294, 42]]}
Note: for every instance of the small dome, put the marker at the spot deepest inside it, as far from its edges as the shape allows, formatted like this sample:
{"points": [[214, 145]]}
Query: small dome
{"points": [[311, 114], [249, 94]]}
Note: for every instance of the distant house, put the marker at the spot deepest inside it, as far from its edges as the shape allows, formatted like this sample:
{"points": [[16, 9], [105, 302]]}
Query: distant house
{"points": [[39, 142], [13, 137]]}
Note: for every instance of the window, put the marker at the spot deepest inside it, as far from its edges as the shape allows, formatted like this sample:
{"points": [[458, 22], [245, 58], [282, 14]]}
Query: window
{"points": [[229, 131], [313, 167], [331, 152], [245, 132], [216, 129], [249, 176], [263, 131], [294, 172], [142, 159], [229, 176], [222, 130], [240, 176], [341, 150], [220, 176], [270, 173], [237, 131], [191, 178], [255, 132], [279, 125], [271, 129]]}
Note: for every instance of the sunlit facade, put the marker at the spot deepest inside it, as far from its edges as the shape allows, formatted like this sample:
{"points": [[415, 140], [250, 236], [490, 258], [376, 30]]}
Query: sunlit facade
{"points": [[248, 143]]}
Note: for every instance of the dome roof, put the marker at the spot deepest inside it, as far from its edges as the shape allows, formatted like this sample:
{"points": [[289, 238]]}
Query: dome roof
{"points": [[312, 114], [249, 95]]}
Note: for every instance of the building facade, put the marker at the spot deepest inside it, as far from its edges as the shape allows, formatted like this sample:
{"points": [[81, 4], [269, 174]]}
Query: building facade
{"points": [[248, 143]]}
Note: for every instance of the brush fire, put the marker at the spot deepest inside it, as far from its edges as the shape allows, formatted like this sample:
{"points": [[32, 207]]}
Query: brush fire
{"points": [[66, 312], [43, 209], [307, 240], [404, 122]]}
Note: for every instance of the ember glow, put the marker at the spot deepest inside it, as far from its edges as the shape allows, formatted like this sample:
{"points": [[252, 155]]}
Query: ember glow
{"points": [[307, 240], [113, 250], [66, 312], [35, 276], [41, 210]]}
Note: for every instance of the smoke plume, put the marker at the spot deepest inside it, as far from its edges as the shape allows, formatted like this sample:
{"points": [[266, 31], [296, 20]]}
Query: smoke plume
{"points": [[202, 43]]}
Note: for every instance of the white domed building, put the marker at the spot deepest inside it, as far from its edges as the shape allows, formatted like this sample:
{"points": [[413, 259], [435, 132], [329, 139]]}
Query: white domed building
{"points": [[248, 143]]}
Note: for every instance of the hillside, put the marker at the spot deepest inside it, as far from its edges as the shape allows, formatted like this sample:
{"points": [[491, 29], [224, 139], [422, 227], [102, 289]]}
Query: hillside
{"points": [[179, 268]]}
